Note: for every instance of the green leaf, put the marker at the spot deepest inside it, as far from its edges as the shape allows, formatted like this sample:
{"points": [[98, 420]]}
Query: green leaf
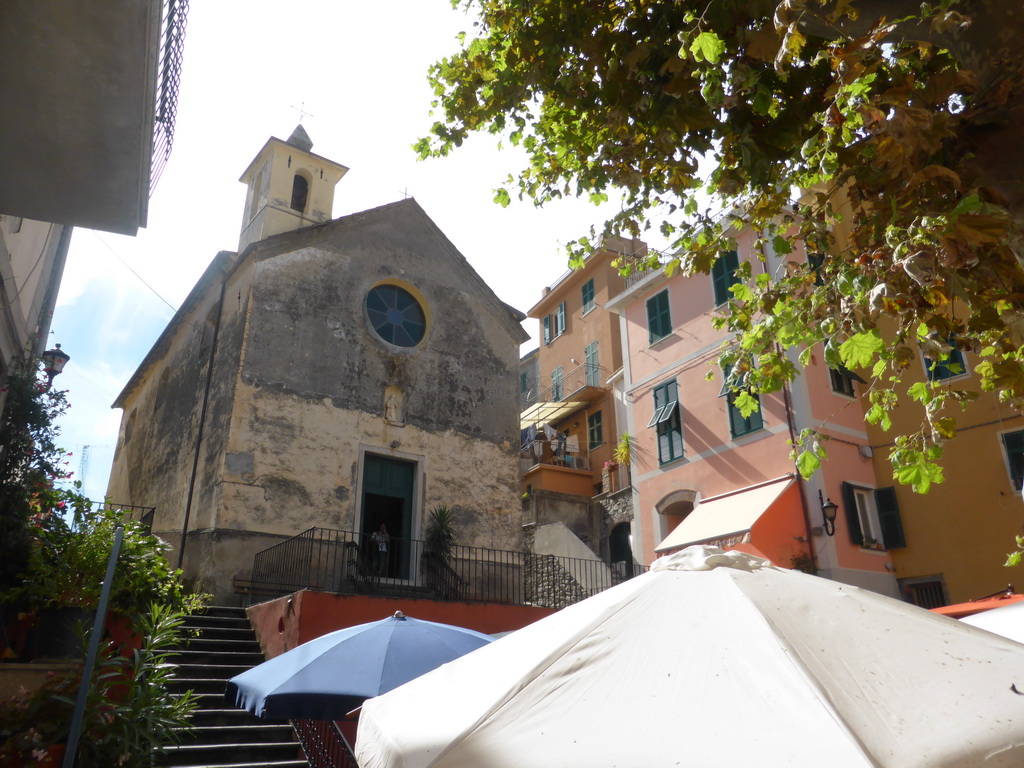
{"points": [[501, 197], [969, 204], [919, 392], [860, 350], [707, 46], [781, 245], [746, 404], [807, 463]]}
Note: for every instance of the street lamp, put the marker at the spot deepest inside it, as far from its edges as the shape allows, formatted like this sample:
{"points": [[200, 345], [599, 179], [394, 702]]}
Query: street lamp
{"points": [[828, 513], [54, 361]]}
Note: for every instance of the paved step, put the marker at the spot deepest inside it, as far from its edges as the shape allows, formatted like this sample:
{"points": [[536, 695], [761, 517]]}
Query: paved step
{"points": [[218, 645], [198, 685], [214, 671], [216, 754], [239, 642], [214, 632], [226, 716], [238, 734], [188, 656]]}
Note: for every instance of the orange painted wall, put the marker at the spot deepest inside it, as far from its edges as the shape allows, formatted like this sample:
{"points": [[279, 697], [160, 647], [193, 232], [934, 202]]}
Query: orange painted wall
{"points": [[560, 479], [581, 329], [287, 622]]}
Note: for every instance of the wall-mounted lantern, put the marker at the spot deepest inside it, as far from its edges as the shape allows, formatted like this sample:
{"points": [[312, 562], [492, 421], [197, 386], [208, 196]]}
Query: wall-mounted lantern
{"points": [[828, 513], [54, 361]]}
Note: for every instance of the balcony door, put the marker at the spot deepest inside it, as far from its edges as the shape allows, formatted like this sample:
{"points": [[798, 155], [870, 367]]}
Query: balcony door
{"points": [[387, 497]]}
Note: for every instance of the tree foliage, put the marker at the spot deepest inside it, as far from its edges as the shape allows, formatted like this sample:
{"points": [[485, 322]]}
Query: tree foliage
{"points": [[895, 121], [30, 464]]}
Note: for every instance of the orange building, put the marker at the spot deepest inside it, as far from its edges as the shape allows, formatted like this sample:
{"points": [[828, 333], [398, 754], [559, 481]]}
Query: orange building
{"points": [[580, 349]]}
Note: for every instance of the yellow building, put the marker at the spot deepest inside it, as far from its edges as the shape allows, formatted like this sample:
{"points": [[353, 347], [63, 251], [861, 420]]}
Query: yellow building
{"points": [[959, 533]]}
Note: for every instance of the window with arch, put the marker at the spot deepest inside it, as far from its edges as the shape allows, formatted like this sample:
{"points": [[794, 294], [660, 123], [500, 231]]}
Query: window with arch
{"points": [[396, 316], [300, 193]]}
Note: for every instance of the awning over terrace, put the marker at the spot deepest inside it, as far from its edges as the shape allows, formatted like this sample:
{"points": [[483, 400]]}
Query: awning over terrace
{"points": [[728, 519], [549, 412]]}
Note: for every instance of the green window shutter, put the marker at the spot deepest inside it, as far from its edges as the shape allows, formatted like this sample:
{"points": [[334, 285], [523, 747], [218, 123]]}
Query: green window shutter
{"points": [[889, 518], [1014, 444], [659, 318], [852, 518], [723, 275], [547, 329], [588, 295]]}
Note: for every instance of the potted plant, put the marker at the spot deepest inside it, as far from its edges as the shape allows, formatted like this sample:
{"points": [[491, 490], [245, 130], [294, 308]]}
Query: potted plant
{"points": [[67, 564]]}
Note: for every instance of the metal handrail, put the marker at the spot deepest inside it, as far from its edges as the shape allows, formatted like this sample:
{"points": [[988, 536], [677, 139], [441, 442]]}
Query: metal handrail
{"points": [[323, 743], [348, 562], [580, 377]]}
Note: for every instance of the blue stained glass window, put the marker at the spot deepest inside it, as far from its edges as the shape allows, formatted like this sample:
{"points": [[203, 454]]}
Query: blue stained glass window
{"points": [[396, 316]]}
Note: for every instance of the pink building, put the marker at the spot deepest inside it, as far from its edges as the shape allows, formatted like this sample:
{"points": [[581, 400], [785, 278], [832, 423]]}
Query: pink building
{"points": [[702, 473]]}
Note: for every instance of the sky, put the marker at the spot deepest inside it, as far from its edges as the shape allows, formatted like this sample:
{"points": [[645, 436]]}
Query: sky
{"points": [[359, 73]]}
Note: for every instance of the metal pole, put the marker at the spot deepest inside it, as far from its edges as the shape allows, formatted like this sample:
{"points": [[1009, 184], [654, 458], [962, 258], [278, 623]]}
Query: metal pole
{"points": [[94, 647]]}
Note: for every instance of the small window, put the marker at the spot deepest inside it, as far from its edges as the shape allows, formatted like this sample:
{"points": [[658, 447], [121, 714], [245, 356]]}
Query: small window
{"points": [[1013, 444], [949, 368], [557, 385], [522, 383], [723, 275], [588, 295], [667, 421], [595, 430], [842, 379], [593, 365], [927, 593], [554, 324], [816, 261], [873, 517], [300, 193], [739, 424], [659, 318]]}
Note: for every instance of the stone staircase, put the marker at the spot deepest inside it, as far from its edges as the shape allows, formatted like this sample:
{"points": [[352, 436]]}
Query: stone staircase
{"points": [[223, 736]]}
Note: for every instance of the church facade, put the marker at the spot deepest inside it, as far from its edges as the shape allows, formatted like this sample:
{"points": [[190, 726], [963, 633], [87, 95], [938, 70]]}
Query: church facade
{"points": [[343, 374]]}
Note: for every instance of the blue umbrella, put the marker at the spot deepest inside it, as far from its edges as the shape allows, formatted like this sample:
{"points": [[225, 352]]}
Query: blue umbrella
{"points": [[327, 677]]}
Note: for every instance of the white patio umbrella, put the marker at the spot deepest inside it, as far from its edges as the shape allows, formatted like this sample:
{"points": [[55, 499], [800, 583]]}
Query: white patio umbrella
{"points": [[1007, 621], [711, 659]]}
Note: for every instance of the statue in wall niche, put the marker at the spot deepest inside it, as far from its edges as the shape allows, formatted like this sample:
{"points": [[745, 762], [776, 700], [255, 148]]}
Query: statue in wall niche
{"points": [[394, 404]]}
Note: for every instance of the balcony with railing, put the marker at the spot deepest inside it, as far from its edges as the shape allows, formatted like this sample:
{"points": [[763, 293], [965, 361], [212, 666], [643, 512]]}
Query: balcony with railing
{"points": [[347, 562]]}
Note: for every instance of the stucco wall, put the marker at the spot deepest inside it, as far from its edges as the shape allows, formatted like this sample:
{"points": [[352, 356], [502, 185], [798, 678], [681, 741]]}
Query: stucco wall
{"points": [[297, 396]]}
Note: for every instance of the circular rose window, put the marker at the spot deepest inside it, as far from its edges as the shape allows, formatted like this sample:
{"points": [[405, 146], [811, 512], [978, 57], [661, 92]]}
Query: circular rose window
{"points": [[396, 316]]}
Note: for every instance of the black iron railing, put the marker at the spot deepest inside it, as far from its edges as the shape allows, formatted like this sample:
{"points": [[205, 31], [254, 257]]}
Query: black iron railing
{"points": [[172, 46], [324, 744], [345, 562]]}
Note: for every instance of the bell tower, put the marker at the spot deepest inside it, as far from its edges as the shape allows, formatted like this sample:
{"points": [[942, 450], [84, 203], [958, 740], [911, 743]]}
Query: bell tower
{"points": [[289, 188]]}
